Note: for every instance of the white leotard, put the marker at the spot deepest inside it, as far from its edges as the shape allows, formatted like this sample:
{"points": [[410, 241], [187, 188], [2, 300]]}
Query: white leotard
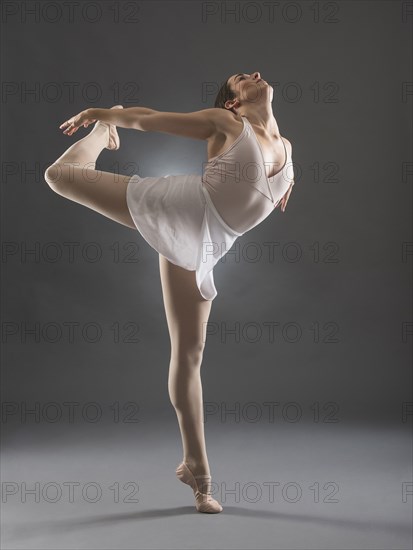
{"points": [[238, 185]]}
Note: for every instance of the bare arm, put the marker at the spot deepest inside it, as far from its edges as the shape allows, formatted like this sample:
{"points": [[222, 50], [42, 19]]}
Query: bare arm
{"points": [[283, 201], [124, 118], [198, 124], [291, 156]]}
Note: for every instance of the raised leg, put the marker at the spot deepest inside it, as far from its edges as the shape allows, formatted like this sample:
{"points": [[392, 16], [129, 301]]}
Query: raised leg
{"points": [[73, 175]]}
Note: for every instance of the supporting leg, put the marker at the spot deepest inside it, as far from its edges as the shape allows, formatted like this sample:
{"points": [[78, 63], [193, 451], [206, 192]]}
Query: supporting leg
{"points": [[187, 314]]}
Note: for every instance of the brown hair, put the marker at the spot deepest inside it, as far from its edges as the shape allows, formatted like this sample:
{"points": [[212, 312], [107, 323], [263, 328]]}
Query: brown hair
{"points": [[225, 93]]}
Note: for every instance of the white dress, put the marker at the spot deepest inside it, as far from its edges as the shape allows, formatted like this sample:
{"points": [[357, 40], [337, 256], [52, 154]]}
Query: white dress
{"points": [[176, 216], [194, 220]]}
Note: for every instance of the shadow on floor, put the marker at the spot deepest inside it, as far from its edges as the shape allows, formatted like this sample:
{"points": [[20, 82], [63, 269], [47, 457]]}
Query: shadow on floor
{"points": [[18, 532]]}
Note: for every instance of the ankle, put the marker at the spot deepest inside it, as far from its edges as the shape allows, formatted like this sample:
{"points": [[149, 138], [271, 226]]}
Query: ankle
{"points": [[100, 128], [197, 466]]}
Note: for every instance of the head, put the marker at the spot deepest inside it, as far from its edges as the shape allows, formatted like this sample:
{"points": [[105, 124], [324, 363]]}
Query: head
{"points": [[240, 89]]}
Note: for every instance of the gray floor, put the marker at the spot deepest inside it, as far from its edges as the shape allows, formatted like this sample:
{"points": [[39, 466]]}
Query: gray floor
{"points": [[334, 486]]}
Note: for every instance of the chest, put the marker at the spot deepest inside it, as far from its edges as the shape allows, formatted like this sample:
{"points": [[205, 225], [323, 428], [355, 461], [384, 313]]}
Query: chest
{"points": [[273, 153]]}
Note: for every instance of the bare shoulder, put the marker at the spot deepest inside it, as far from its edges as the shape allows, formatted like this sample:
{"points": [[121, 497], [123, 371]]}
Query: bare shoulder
{"points": [[224, 120], [288, 144]]}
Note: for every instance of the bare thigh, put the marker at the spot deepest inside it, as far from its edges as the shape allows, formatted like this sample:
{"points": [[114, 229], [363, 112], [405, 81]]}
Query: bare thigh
{"points": [[187, 312], [103, 192]]}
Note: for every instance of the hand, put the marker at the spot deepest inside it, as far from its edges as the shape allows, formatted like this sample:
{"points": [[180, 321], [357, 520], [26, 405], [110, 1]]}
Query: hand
{"points": [[73, 124], [285, 198]]}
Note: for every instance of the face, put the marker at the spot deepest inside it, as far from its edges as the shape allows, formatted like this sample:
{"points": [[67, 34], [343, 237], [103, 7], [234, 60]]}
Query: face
{"points": [[250, 87]]}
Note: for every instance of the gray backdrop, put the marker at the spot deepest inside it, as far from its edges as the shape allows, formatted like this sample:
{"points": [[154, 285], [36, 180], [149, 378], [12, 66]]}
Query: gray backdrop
{"points": [[332, 271], [313, 312]]}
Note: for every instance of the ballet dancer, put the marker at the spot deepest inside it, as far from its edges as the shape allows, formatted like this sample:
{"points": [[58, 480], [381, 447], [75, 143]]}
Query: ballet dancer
{"points": [[189, 219]]}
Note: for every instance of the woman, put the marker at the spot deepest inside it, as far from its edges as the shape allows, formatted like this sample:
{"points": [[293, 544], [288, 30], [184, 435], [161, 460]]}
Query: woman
{"points": [[190, 220]]}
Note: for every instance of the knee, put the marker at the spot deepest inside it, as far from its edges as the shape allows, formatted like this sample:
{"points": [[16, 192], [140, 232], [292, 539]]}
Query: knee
{"points": [[188, 355], [54, 176]]}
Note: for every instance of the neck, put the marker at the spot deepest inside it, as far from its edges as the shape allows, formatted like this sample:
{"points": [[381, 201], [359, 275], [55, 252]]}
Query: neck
{"points": [[262, 117]]}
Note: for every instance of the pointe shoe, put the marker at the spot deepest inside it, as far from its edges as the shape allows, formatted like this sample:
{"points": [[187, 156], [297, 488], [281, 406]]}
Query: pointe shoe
{"points": [[114, 141], [203, 501]]}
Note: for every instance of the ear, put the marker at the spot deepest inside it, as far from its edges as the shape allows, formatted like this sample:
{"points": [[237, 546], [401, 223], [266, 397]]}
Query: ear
{"points": [[230, 103]]}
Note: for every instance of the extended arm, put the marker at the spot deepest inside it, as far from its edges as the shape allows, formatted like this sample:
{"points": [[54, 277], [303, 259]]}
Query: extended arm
{"points": [[199, 124]]}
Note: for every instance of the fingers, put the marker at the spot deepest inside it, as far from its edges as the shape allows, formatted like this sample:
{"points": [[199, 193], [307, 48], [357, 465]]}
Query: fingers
{"points": [[284, 200], [70, 127], [69, 131], [281, 202]]}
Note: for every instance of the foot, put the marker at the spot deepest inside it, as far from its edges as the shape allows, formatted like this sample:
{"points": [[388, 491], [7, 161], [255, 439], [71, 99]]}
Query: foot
{"points": [[201, 486], [113, 141]]}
